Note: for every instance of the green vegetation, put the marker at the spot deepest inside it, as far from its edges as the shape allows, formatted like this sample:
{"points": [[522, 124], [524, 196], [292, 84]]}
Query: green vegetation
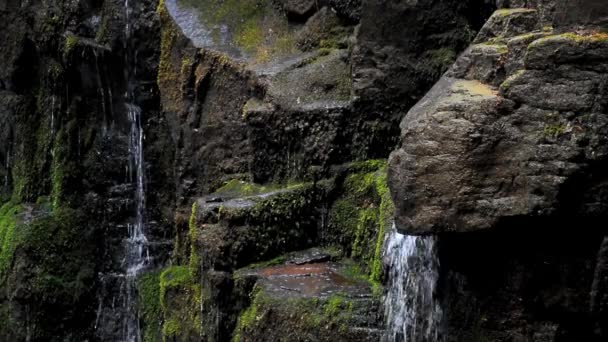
{"points": [[498, 47], [148, 286], [362, 216], [573, 38], [241, 188], [248, 317], [57, 168], [180, 300], [306, 316], [510, 11], [508, 83], [442, 58], [194, 259], [9, 235], [172, 278], [273, 262], [554, 130], [70, 43]]}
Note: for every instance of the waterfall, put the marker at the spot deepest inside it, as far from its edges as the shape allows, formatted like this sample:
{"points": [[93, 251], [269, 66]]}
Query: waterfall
{"points": [[411, 310], [137, 256]]}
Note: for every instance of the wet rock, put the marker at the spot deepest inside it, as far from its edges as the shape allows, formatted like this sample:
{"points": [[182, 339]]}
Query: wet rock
{"points": [[299, 10], [508, 149], [303, 302]]}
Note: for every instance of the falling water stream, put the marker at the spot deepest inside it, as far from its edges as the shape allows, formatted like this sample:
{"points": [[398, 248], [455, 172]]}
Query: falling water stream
{"points": [[411, 310], [137, 255]]}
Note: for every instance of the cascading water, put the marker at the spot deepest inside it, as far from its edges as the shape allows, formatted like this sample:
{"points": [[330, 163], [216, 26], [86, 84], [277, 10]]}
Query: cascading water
{"points": [[411, 310], [118, 316], [137, 256]]}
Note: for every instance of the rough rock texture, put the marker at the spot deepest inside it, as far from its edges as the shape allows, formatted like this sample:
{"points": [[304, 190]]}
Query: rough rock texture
{"points": [[244, 223], [505, 159], [290, 94], [527, 286], [299, 100], [403, 48], [308, 300], [64, 150], [516, 128]]}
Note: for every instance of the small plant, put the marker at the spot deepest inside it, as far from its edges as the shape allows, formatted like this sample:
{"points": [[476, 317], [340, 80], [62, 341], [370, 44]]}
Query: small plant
{"points": [[70, 43]]}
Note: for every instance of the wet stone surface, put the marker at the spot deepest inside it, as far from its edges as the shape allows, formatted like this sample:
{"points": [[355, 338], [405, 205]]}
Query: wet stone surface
{"points": [[309, 274]]}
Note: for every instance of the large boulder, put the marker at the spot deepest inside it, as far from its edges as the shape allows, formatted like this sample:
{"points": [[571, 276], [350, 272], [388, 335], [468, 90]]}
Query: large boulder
{"points": [[474, 153]]}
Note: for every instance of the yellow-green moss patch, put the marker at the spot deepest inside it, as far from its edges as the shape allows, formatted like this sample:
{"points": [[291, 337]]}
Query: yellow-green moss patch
{"points": [[9, 234]]}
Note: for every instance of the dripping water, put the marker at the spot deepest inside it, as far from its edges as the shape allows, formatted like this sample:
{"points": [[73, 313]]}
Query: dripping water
{"points": [[7, 165], [137, 256], [102, 93], [53, 99], [411, 310]]}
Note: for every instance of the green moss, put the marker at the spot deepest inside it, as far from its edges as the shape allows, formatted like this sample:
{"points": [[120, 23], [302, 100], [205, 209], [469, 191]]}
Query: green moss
{"points": [[174, 277], [248, 316], [498, 47], [554, 130], [169, 74], [180, 300], [194, 259], [273, 262], [60, 158], [301, 316], [508, 83], [361, 217], [334, 306], [62, 250], [161, 6], [70, 43], [510, 11], [239, 188], [573, 38], [9, 235], [368, 217], [367, 165], [103, 32], [442, 58], [149, 303], [171, 327], [186, 65]]}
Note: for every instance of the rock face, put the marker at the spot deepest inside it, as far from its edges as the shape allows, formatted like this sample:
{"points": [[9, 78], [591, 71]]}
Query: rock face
{"points": [[516, 128], [266, 205], [504, 159]]}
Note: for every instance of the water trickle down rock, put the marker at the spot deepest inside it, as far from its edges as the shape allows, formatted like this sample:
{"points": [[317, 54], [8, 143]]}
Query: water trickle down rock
{"points": [[137, 256], [411, 310], [119, 319]]}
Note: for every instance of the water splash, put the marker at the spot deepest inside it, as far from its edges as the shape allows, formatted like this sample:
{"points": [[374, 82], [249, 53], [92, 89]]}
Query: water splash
{"points": [[411, 310]]}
